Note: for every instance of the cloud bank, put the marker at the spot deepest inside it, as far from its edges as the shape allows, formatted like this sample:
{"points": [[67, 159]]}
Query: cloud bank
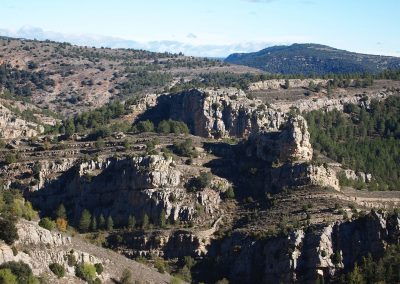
{"points": [[188, 48]]}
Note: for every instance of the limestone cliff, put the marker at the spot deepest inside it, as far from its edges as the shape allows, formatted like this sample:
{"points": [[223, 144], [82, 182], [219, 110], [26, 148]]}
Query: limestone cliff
{"points": [[39, 247], [217, 113], [302, 255], [123, 187]]}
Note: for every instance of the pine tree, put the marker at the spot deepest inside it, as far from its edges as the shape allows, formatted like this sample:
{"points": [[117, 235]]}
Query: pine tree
{"points": [[131, 222], [110, 223], [162, 220], [102, 222], [145, 221], [61, 212], [93, 224], [84, 222]]}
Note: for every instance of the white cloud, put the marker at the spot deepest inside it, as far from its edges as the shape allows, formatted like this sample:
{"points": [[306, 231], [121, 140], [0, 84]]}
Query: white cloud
{"points": [[191, 35], [193, 47]]}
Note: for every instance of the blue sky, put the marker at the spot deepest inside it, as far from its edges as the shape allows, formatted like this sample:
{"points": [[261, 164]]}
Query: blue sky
{"points": [[208, 27]]}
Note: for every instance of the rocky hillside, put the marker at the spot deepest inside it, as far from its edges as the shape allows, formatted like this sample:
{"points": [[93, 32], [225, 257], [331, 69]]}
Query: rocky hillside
{"points": [[39, 248], [68, 79], [313, 59]]}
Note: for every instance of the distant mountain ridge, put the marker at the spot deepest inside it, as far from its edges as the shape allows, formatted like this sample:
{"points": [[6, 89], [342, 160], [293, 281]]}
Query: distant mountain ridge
{"points": [[313, 58]]}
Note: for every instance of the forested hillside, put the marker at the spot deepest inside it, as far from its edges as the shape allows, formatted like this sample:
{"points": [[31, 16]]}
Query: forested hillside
{"points": [[362, 139], [313, 59]]}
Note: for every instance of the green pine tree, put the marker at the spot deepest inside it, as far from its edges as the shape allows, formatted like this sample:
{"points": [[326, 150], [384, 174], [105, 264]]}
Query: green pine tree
{"points": [[131, 222], [93, 224], [102, 222], [84, 222], [145, 221], [61, 212], [110, 223]]}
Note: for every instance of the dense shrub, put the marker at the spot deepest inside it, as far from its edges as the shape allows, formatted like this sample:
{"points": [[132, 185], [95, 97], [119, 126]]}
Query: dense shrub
{"points": [[21, 270], [8, 231], [200, 182], [86, 271], [47, 223], [99, 268], [7, 277], [185, 148], [57, 269]]}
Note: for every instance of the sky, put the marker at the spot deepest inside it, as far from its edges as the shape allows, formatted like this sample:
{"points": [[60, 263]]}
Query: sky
{"points": [[214, 28]]}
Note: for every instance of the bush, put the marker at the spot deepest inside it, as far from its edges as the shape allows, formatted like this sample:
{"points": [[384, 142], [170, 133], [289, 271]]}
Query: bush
{"points": [[8, 232], [7, 277], [145, 126], [99, 268], [126, 277], [21, 270], [230, 193], [159, 264], [185, 148], [57, 269], [85, 271], [10, 158], [200, 182], [47, 223]]}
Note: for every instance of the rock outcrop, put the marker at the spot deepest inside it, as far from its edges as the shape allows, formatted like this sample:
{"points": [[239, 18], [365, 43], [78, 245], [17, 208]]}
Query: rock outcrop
{"points": [[302, 255], [276, 84], [12, 126], [216, 113], [289, 152], [123, 187], [337, 103], [39, 247]]}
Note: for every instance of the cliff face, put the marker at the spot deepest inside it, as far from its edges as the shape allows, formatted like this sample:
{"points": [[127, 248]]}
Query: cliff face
{"points": [[290, 153], [12, 126], [217, 113], [123, 187], [39, 247], [304, 254]]}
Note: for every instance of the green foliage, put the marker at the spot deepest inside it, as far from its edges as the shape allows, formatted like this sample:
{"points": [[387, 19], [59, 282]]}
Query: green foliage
{"points": [[13, 204], [145, 221], [384, 270], [21, 82], [220, 79], [140, 80], [172, 126], [126, 277], [57, 269], [61, 212], [102, 222], [21, 270], [362, 140], [160, 265], [99, 268], [10, 158], [151, 144], [175, 280], [109, 223], [145, 126], [200, 182], [309, 59], [7, 277], [8, 232], [86, 271], [84, 222], [161, 219], [47, 223], [131, 222], [230, 193], [95, 119], [185, 148]]}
